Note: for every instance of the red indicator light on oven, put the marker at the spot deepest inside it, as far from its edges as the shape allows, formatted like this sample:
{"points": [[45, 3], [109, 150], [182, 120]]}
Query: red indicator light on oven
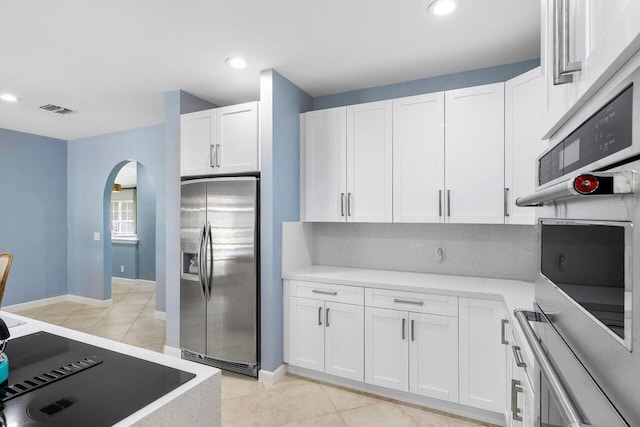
{"points": [[586, 184]]}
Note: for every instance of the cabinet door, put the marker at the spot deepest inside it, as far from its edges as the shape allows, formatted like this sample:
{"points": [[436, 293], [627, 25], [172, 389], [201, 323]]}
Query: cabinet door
{"points": [[325, 165], [237, 138], [386, 351], [369, 162], [482, 354], [433, 356], [418, 158], [474, 154], [306, 333], [197, 142], [344, 340], [523, 144]]}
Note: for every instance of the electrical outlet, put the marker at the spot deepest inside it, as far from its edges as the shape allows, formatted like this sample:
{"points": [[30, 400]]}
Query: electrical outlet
{"points": [[439, 254], [122, 269], [96, 235]]}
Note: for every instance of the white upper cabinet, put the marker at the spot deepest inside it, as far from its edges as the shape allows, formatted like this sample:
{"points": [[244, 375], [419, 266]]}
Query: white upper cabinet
{"points": [[369, 162], [347, 158], [197, 136], [524, 103], [474, 155], [237, 138], [600, 37], [418, 158], [220, 141], [324, 159]]}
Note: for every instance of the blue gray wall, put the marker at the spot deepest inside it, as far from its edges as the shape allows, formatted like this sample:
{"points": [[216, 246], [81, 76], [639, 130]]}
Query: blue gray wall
{"points": [[124, 255], [481, 76], [33, 215], [92, 165], [281, 103], [146, 221]]}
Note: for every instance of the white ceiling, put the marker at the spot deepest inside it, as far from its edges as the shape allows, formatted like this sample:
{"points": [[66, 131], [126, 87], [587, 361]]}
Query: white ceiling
{"points": [[111, 61], [128, 175]]}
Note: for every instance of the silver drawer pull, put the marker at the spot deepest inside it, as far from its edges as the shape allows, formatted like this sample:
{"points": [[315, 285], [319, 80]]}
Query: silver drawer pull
{"points": [[407, 301], [518, 356], [320, 291]]}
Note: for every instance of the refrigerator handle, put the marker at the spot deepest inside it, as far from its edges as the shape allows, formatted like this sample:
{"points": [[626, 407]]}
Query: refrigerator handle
{"points": [[202, 261], [210, 251]]}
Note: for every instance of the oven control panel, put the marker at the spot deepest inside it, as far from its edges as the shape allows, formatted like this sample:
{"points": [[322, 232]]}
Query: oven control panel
{"points": [[606, 132]]}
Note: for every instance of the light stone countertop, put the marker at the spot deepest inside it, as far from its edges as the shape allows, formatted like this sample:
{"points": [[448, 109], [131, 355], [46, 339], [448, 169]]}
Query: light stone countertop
{"points": [[196, 402], [516, 294]]}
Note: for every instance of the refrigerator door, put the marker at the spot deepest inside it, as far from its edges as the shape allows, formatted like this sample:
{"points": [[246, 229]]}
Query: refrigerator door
{"points": [[232, 312], [192, 286]]}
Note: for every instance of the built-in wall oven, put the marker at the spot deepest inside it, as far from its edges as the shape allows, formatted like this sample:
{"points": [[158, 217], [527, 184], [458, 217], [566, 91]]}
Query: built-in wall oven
{"points": [[585, 326]]}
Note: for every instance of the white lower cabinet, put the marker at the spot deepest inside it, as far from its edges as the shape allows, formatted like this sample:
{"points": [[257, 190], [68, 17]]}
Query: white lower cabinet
{"points": [[482, 354], [412, 352], [327, 337]]}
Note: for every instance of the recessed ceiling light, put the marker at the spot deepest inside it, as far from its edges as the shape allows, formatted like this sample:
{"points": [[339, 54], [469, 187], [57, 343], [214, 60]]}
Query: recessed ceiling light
{"points": [[8, 97], [236, 62], [443, 7]]}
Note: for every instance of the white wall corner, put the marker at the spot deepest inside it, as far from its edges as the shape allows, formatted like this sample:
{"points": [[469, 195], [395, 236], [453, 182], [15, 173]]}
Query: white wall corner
{"points": [[34, 304], [89, 301], [145, 282], [272, 378], [172, 351]]}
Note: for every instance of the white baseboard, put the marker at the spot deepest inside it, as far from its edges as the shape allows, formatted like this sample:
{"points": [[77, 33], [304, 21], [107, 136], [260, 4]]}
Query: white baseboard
{"points": [[172, 351], [146, 282], [272, 378], [127, 281], [123, 280], [89, 301], [161, 315], [54, 300], [34, 304]]}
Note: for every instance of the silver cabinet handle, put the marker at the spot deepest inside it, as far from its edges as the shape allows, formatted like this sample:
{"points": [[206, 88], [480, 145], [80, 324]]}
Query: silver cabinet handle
{"points": [[503, 330], [323, 292], [566, 406], [349, 204], [518, 356], [404, 322], [562, 67], [440, 203], [448, 202], [341, 204], [212, 155], [326, 317], [319, 316], [506, 202], [515, 389], [218, 155], [413, 328], [407, 301]]}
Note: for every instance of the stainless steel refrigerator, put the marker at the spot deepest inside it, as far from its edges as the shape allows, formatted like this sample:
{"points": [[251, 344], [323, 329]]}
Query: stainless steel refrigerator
{"points": [[219, 318]]}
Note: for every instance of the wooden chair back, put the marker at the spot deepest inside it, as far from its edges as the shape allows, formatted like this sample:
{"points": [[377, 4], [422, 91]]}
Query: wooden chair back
{"points": [[5, 266]]}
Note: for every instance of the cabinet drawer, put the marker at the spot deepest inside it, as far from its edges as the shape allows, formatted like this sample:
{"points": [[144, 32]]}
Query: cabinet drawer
{"points": [[417, 302], [327, 292]]}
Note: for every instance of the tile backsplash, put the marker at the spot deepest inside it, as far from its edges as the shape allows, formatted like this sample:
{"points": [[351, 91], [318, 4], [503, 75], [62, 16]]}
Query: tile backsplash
{"points": [[499, 251]]}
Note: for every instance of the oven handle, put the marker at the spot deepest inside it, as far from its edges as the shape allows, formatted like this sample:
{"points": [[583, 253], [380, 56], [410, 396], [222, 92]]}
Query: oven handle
{"points": [[622, 182], [567, 407]]}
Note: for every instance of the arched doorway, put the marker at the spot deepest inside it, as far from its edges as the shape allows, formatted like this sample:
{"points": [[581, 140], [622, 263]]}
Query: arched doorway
{"points": [[129, 231]]}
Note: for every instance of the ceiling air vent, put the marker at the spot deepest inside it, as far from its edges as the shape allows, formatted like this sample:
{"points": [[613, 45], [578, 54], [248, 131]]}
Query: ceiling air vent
{"points": [[56, 109]]}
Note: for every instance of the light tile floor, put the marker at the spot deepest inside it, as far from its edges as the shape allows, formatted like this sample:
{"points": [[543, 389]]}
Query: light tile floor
{"points": [[293, 401], [130, 319]]}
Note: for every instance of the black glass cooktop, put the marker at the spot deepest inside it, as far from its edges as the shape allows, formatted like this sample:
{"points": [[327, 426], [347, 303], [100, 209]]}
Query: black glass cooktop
{"points": [[56, 381]]}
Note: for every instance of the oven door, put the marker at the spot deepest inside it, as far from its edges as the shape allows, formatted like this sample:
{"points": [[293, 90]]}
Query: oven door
{"points": [[565, 394]]}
